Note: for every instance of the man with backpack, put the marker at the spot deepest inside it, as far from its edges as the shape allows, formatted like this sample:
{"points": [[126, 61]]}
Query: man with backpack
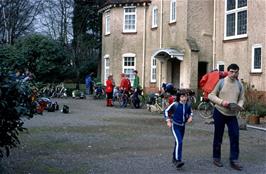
{"points": [[227, 91]]}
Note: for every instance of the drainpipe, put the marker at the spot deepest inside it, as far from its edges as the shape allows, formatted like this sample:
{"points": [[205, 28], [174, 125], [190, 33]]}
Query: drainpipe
{"points": [[161, 40], [144, 47], [161, 24], [214, 36]]}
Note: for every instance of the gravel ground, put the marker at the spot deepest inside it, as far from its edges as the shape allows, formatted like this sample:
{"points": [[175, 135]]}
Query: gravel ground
{"points": [[94, 139]]}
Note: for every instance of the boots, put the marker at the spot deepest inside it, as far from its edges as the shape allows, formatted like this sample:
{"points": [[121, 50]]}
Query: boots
{"points": [[107, 102], [110, 102]]}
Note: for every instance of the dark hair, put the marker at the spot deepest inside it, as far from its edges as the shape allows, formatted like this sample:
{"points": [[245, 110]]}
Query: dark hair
{"points": [[135, 71], [178, 94], [233, 66]]}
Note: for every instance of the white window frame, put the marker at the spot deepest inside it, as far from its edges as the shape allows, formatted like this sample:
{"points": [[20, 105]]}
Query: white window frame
{"points": [[153, 69], [130, 68], [172, 11], [253, 70], [235, 11], [107, 23], [154, 17], [219, 63], [134, 14], [106, 66]]}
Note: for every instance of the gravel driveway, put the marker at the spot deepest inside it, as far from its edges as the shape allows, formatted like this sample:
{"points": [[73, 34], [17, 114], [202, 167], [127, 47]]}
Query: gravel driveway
{"points": [[96, 139]]}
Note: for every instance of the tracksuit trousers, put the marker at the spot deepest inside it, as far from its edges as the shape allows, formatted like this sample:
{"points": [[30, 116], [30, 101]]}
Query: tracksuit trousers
{"points": [[233, 131], [178, 132]]}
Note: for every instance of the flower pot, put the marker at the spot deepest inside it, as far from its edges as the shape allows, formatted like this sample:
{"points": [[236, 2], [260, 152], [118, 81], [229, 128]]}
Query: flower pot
{"points": [[253, 119]]}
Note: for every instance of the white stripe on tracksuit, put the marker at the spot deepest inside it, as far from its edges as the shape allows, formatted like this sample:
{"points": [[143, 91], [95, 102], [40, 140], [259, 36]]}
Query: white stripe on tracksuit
{"points": [[177, 144]]}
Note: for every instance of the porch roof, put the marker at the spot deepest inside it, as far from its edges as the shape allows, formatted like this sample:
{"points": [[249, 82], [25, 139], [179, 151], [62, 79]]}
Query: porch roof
{"points": [[172, 52]]}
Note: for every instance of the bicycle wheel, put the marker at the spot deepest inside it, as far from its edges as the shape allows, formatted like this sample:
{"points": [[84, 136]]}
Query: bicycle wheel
{"points": [[205, 109]]}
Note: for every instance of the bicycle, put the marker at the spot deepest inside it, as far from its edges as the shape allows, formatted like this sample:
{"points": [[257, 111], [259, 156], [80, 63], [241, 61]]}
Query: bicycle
{"points": [[157, 103], [205, 108], [133, 100]]}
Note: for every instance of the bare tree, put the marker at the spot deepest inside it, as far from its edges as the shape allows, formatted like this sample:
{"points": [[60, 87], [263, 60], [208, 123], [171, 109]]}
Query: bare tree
{"points": [[16, 19], [55, 19]]}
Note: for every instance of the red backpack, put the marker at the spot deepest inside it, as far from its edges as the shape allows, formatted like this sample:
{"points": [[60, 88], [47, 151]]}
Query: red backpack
{"points": [[209, 81]]}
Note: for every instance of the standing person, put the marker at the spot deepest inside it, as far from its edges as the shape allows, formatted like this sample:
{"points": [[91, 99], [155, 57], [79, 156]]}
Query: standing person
{"points": [[227, 90], [136, 88], [182, 113], [125, 86], [88, 83], [109, 90]]}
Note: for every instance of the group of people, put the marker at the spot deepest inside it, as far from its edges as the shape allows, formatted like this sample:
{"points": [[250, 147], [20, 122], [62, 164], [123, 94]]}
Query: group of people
{"points": [[180, 112], [124, 87]]}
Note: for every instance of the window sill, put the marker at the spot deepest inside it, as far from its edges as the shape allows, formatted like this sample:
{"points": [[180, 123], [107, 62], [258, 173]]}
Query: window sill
{"points": [[235, 39], [172, 23], [129, 32], [154, 28], [255, 73], [108, 34]]}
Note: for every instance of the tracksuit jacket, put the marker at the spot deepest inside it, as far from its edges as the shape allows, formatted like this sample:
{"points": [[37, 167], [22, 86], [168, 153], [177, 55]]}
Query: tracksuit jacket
{"points": [[181, 113]]}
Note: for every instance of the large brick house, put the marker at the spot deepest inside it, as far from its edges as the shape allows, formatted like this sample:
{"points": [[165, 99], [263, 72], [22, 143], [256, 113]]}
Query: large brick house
{"points": [[180, 40]]}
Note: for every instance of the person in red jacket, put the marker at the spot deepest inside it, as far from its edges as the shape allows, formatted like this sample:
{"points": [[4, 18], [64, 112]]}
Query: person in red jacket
{"points": [[109, 90], [125, 86]]}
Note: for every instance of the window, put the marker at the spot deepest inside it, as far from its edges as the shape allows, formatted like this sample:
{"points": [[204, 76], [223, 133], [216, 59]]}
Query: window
{"points": [[256, 58], [107, 23], [153, 69], [129, 19], [154, 17], [235, 19], [106, 67], [173, 11], [220, 65], [129, 65]]}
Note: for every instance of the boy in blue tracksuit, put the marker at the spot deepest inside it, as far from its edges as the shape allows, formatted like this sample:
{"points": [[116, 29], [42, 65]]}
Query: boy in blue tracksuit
{"points": [[181, 113]]}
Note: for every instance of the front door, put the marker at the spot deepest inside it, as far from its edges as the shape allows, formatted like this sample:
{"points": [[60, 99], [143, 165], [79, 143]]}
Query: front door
{"points": [[174, 73]]}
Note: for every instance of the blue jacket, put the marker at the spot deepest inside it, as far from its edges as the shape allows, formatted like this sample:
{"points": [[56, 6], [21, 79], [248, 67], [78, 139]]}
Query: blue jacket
{"points": [[181, 113]]}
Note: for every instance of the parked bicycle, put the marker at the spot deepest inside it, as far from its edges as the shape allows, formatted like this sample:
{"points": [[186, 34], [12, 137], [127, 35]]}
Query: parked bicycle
{"points": [[124, 99], [205, 108], [157, 102]]}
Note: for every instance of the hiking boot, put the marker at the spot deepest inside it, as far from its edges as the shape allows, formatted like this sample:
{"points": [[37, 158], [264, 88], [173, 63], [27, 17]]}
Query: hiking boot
{"points": [[218, 163], [235, 165]]}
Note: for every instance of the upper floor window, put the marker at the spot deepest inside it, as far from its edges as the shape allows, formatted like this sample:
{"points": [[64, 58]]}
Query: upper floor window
{"points": [[235, 19], [129, 19], [107, 23], [154, 17], [256, 58], [106, 66], [129, 65], [173, 11], [153, 69]]}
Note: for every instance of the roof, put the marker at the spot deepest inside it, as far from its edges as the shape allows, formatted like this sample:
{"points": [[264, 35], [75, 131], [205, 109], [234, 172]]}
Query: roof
{"points": [[172, 52], [110, 3]]}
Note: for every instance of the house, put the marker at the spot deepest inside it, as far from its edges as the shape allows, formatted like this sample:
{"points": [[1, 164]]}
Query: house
{"points": [[180, 40]]}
